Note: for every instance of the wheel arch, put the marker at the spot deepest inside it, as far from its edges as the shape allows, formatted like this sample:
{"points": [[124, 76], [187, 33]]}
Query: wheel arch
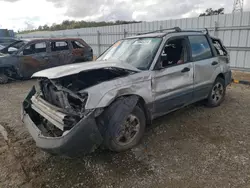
{"points": [[8, 70], [221, 75], [141, 102]]}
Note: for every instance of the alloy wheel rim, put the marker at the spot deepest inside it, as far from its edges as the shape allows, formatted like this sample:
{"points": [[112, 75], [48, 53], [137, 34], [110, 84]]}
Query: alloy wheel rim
{"points": [[128, 131], [217, 92]]}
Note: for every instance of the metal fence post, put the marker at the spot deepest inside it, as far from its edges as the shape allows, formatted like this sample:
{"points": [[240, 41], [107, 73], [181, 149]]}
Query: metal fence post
{"points": [[99, 43], [161, 28], [124, 33], [216, 25]]}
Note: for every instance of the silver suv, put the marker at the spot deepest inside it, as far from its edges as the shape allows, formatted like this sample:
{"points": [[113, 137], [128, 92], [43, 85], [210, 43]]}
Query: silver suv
{"points": [[77, 108]]}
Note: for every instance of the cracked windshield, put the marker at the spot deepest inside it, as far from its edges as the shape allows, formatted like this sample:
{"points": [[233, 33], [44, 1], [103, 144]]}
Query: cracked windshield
{"points": [[136, 52]]}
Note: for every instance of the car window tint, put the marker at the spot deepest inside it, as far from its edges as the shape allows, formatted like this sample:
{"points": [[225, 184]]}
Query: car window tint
{"points": [[59, 46], [40, 47], [77, 45], [200, 47]]}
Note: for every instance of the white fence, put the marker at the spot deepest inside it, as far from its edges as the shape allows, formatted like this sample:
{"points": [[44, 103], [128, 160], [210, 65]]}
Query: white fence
{"points": [[233, 29]]}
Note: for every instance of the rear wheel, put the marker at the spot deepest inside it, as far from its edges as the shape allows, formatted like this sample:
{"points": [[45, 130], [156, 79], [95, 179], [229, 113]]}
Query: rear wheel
{"points": [[217, 94], [3, 78]]}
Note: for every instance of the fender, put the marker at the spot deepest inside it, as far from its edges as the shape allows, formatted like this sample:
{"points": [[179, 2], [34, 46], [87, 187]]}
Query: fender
{"points": [[103, 94]]}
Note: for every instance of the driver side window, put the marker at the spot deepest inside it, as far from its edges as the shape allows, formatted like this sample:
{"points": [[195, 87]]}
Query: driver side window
{"points": [[174, 53], [28, 50]]}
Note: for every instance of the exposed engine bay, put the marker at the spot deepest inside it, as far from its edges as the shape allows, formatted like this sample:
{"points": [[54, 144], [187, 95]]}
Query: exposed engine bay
{"points": [[59, 104]]}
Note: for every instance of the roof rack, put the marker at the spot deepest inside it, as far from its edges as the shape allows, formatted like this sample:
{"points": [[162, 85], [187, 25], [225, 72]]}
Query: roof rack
{"points": [[177, 29], [161, 30], [197, 30]]}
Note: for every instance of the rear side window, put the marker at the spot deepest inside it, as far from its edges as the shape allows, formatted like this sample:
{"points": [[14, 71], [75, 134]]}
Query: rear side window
{"points": [[77, 45], [200, 48], [59, 46], [220, 50]]}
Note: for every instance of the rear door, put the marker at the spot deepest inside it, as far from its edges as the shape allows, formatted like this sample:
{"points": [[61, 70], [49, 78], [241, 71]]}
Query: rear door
{"points": [[205, 64], [33, 58], [60, 53], [172, 83]]}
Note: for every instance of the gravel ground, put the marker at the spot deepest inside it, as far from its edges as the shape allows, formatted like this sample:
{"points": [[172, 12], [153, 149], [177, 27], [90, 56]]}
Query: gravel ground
{"points": [[192, 147]]}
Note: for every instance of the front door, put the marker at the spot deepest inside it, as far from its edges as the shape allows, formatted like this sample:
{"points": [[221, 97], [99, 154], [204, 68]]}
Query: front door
{"points": [[172, 83], [33, 58], [205, 65]]}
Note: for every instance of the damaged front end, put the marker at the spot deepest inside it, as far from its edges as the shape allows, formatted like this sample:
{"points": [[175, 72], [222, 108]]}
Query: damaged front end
{"points": [[57, 120], [56, 111]]}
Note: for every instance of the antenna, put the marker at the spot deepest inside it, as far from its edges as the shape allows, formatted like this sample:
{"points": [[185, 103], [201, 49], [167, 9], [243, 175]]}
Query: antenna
{"points": [[238, 6]]}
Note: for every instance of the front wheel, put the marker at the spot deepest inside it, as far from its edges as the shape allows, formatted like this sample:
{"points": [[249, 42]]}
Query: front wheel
{"points": [[121, 136], [217, 94]]}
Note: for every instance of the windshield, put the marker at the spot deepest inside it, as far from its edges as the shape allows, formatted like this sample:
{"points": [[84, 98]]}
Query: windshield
{"points": [[137, 52], [14, 47], [17, 45]]}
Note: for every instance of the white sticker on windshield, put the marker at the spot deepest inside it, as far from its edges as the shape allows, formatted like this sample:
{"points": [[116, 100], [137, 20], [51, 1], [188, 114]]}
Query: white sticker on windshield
{"points": [[140, 42]]}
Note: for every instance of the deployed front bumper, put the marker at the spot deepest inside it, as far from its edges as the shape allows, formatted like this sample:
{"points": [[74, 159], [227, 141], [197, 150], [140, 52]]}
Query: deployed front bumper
{"points": [[83, 138]]}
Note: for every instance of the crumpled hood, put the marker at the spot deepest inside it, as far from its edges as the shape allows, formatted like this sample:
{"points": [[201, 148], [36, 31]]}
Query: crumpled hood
{"points": [[66, 70]]}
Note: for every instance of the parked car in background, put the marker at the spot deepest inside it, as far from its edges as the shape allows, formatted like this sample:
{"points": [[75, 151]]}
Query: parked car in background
{"points": [[5, 41], [11, 49], [76, 108], [23, 58]]}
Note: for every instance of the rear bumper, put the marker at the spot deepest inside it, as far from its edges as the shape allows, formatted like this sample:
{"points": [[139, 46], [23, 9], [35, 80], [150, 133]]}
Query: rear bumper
{"points": [[228, 77], [83, 138]]}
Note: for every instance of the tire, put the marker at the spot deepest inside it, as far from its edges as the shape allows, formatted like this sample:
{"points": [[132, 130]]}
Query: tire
{"points": [[217, 93], [115, 128], [3, 78]]}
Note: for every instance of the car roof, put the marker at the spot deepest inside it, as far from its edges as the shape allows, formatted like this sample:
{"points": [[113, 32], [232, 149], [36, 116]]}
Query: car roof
{"points": [[46, 39], [148, 35], [162, 34]]}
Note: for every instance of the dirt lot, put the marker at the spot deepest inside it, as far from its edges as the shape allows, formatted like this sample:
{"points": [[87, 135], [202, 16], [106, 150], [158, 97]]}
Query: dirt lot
{"points": [[238, 75], [193, 147]]}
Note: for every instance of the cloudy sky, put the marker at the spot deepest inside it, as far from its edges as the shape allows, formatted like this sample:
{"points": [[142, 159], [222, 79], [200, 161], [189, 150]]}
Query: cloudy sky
{"points": [[29, 14]]}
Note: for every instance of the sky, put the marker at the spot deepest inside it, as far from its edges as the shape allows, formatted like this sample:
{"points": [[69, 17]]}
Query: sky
{"points": [[29, 14]]}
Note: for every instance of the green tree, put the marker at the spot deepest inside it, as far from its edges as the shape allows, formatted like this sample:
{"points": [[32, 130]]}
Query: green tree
{"points": [[71, 24], [210, 12]]}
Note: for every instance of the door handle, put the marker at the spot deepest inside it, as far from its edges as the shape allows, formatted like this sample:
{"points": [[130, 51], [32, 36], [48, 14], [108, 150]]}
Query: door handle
{"points": [[215, 63], [186, 69]]}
